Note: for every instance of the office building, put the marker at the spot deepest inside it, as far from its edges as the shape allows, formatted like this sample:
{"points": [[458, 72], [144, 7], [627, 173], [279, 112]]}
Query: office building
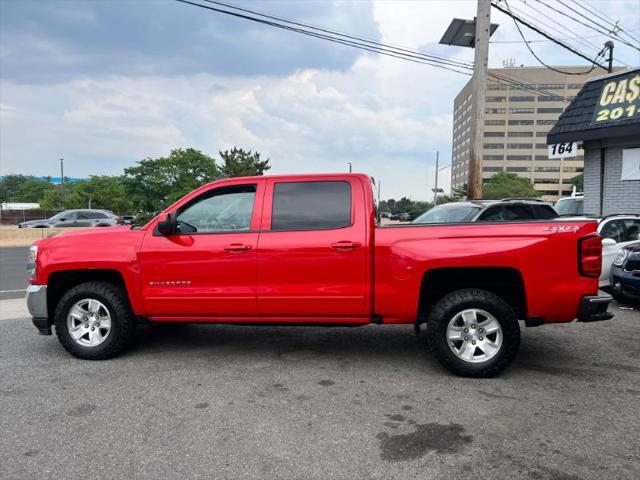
{"points": [[520, 109]]}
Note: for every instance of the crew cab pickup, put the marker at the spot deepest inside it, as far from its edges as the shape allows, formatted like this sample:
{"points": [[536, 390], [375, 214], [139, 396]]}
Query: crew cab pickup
{"points": [[305, 249]]}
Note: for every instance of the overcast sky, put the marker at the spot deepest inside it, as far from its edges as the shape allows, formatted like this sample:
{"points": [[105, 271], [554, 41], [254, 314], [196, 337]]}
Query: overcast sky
{"points": [[107, 83]]}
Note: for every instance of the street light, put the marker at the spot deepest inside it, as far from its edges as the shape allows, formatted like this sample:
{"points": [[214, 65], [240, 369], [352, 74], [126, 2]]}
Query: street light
{"points": [[462, 33], [437, 190]]}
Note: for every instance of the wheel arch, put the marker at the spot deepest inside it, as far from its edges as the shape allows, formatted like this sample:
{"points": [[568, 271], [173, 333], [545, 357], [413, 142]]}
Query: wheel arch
{"points": [[61, 281], [506, 282]]}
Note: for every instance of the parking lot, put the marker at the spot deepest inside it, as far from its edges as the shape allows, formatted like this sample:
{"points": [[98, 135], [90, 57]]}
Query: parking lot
{"points": [[197, 401]]}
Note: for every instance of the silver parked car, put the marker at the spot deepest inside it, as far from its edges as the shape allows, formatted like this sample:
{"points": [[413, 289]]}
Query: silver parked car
{"points": [[76, 218]]}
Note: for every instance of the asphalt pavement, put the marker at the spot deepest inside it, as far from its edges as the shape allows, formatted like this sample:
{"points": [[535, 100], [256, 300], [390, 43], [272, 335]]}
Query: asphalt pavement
{"points": [[232, 402], [13, 272]]}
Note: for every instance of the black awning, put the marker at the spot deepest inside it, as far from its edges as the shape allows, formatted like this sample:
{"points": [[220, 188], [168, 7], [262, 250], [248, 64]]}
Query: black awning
{"points": [[606, 107]]}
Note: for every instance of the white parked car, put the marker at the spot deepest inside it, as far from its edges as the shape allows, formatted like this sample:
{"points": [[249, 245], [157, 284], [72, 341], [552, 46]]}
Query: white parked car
{"points": [[616, 231]]}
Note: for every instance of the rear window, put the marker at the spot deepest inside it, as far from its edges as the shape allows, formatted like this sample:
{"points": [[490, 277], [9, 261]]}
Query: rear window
{"points": [[448, 214], [517, 212], [543, 212], [91, 215], [569, 206], [311, 206]]}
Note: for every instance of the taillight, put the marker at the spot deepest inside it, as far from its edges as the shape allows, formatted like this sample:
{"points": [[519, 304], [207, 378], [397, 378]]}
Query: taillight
{"points": [[590, 255]]}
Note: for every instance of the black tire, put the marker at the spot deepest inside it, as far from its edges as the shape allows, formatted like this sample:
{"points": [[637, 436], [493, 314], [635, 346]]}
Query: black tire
{"points": [[123, 321], [452, 304]]}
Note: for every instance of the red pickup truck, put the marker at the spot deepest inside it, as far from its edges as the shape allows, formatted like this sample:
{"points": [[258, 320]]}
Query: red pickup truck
{"points": [[305, 249]]}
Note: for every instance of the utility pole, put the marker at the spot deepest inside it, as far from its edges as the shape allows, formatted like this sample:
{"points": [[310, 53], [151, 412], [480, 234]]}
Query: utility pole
{"points": [[435, 189], [609, 44], [479, 84], [62, 170]]}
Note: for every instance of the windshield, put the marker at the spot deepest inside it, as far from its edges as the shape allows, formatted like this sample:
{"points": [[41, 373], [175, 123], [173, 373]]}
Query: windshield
{"points": [[61, 215], [448, 214], [569, 206]]}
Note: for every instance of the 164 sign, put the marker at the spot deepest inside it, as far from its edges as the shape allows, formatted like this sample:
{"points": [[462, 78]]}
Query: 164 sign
{"points": [[563, 150]]}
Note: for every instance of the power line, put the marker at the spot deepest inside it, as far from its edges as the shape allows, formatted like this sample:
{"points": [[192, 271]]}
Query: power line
{"points": [[512, 82], [534, 20], [545, 40], [537, 21], [544, 34], [337, 33], [375, 47], [417, 57], [609, 34], [593, 11], [593, 67]]}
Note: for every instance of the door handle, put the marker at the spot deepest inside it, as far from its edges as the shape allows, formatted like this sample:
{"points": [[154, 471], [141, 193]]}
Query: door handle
{"points": [[346, 245], [237, 247]]}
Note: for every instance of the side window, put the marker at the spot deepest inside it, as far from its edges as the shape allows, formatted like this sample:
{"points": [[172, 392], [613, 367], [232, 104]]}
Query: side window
{"points": [[226, 209], [492, 214], [632, 230], [311, 205], [613, 229], [71, 216], [90, 215], [543, 212], [518, 212]]}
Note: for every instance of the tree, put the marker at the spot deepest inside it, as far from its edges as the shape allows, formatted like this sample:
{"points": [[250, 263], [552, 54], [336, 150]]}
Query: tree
{"points": [[156, 183], [506, 185], [241, 163], [103, 192], [32, 190], [578, 182], [459, 192], [10, 185]]}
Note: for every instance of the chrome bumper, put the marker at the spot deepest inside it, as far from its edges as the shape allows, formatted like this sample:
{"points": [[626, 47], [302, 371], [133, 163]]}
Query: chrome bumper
{"points": [[37, 301]]}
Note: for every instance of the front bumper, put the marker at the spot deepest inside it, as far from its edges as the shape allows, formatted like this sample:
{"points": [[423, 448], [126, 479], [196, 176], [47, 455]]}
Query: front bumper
{"points": [[624, 283], [37, 305], [594, 308]]}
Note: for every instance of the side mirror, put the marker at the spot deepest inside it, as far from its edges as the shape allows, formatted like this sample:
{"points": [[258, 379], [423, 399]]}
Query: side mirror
{"points": [[167, 226], [608, 242], [63, 219]]}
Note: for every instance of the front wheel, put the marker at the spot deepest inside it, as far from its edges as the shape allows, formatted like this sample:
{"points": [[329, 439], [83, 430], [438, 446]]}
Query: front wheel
{"points": [[473, 333], [94, 321]]}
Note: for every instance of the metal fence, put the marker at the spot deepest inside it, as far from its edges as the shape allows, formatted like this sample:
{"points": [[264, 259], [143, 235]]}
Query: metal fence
{"points": [[14, 217]]}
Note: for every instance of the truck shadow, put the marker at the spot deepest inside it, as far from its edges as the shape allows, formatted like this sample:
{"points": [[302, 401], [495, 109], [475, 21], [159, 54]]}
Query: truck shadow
{"points": [[396, 344], [556, 351]]}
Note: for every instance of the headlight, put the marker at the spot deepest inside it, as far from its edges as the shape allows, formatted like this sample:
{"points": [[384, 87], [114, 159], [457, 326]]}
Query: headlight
{"points": [[31, 260], [620, 257]]}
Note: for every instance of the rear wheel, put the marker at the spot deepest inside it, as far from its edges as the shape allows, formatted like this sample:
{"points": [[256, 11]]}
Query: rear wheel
{"points": [[94, 321], [473, 333]]}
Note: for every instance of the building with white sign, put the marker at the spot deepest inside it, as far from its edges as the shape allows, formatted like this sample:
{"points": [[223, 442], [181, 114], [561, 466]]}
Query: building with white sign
{"points": [[605, 118], [522, 104]]}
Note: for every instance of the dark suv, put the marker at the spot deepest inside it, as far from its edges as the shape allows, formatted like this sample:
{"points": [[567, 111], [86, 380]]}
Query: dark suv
{"points": [[507, 210], [625, 272]]}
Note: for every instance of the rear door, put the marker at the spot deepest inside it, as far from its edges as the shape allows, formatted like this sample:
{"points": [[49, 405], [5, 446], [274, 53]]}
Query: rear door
{"points": [[313, 256]]}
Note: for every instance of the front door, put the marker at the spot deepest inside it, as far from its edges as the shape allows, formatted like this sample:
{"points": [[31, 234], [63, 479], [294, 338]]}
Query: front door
{"points": [[209, 267], [313, 252]]}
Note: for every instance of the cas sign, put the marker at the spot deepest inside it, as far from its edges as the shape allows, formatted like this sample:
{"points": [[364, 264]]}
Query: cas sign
{"points": [[563, 150], [619, 100]]}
